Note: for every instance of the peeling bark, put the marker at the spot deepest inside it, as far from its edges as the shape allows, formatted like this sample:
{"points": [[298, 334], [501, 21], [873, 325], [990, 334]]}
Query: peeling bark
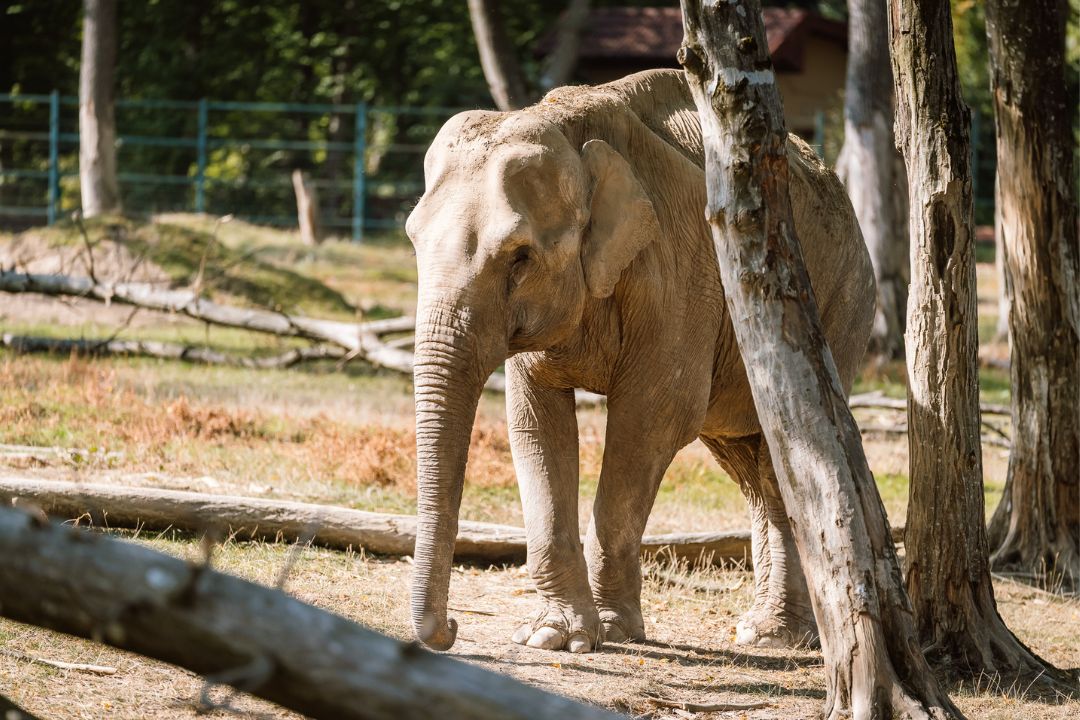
{"points": [[948, 574], [1036, 528], [874, 668], [869, 167]]}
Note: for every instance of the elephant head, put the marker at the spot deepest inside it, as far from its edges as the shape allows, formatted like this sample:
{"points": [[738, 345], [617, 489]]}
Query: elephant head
{"points": [[515, 230]]}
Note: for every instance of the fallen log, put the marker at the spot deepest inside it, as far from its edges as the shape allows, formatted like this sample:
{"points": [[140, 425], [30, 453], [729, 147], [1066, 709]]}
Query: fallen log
{"points": [[27, 344], [359, 338], [324, 525], [235, 632]]}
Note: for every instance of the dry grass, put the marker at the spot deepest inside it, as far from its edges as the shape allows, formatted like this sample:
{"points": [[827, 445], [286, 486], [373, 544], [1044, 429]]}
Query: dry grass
{"points": [[321, 435]]}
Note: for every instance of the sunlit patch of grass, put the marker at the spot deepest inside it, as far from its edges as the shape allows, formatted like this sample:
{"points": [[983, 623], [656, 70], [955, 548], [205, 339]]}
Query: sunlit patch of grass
{"points": [[994, 385], [230, 255]]}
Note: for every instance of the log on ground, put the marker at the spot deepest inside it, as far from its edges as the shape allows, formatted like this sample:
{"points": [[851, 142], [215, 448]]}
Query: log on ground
{"points": [[340, 528], [235, 632]]}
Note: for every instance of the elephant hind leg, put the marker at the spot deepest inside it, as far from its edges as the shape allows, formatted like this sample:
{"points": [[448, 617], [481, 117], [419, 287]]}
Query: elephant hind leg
{"points": [[781, 615]]}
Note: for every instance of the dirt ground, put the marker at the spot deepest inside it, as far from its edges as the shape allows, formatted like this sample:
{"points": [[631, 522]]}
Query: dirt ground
{"points": [[690, 655], [344, 436]]}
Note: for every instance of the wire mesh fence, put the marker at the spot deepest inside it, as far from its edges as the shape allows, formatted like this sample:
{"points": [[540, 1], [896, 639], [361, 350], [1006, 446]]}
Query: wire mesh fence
{"points": [[366, 162]]}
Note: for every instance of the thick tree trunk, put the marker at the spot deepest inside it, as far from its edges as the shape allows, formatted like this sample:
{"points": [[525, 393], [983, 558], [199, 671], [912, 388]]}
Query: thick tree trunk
{"points": [[97, 123], [1036, 528], [948, 576], [560, 64], [497, 58], [873, 665], [255, 638], [870, 171]]}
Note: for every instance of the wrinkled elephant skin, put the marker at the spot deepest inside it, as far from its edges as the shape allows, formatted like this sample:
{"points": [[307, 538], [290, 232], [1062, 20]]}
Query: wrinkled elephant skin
{"points": [[568, 239]]}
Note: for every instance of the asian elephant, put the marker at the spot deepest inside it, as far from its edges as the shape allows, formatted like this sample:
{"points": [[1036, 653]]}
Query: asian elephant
{"points": [[568, 240]]}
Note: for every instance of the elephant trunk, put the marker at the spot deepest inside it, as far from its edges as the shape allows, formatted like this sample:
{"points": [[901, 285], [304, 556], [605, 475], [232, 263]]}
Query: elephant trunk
{"points": [[448, 380]]}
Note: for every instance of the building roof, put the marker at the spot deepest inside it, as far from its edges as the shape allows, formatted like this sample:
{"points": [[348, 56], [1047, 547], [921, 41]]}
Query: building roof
{"points": [[654, 34]]}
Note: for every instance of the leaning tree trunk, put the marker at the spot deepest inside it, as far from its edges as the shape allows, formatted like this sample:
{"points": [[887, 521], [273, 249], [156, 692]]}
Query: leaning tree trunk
{"points": [[874, 668], [501, 67], [868, 167], [97, 123], [948, 575], [1036, 528]]}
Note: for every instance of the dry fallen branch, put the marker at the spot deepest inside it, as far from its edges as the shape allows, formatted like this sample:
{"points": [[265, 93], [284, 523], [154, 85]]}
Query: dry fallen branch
{"points": [[902, 429], [876, 401], [166, 351], [251, 637], [60, 665], [358, 340], [327, 526], [362, 337]]}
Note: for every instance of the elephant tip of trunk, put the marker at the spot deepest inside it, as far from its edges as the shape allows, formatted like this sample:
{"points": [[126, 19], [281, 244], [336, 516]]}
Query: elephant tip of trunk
{"points": [[437, 635]]}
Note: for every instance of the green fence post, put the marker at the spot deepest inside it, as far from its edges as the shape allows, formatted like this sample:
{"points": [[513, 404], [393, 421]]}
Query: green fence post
{"points": [[359, 189], [200, 170], [819, 133], [54, 155]]}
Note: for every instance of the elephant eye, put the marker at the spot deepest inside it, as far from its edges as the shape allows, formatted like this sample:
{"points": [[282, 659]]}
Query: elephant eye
{"points": [[519, 267]]}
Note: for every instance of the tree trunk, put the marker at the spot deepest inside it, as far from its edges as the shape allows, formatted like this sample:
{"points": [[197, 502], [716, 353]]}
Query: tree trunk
{"points": [[559, 65], [97, 123], [497, 58], [948, 576], [873, 665], [307, 208], [1036, 528], [255, 638], [869, 168], [1001, 330]]}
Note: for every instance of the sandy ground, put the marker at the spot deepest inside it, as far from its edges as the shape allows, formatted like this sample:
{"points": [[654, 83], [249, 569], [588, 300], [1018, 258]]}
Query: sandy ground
{"points": [[690, 655]]}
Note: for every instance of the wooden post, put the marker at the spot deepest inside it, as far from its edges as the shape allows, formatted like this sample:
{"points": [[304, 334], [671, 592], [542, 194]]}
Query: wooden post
{"points": [[874, 667], [307, 208]]}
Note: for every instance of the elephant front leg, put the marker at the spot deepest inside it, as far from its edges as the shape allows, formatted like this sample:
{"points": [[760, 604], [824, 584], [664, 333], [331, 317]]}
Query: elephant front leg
{"points": [[544, 443], [637, 452], [781, 615]]}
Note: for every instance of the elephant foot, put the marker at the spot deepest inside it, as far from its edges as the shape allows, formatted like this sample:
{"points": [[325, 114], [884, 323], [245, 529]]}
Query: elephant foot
{"points": [[768, 627], [622, 625], [559, 629]]}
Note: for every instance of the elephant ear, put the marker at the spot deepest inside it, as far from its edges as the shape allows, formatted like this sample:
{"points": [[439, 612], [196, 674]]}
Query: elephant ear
{"points": [[623, 220]]}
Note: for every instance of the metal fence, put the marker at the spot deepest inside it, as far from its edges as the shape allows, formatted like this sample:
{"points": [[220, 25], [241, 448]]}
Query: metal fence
{"points": [[237, 158], [222, 157]]}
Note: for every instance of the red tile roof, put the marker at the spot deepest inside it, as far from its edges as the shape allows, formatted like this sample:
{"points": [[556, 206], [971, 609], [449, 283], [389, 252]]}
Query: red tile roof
{"points": [[655, 34]]}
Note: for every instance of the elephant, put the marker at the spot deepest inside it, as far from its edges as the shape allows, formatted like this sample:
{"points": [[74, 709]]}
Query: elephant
{"points": [[568, 241]]}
